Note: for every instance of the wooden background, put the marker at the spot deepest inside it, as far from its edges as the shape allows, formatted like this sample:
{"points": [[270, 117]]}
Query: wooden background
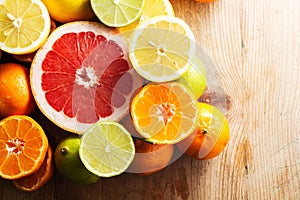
{"points": [[255, 45]]}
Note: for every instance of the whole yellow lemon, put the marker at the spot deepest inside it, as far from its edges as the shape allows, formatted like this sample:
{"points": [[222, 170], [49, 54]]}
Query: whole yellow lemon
{"points": [[69, 10]]}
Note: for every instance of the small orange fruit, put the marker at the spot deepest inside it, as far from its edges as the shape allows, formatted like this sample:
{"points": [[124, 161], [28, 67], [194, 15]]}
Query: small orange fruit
{"points": [[15, 92], [150, 158], [211, 136], [23, 146], [40, 178]]}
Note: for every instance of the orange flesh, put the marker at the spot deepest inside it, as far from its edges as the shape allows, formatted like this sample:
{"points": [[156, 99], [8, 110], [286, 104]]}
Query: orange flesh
{"points": [[23, 146]]}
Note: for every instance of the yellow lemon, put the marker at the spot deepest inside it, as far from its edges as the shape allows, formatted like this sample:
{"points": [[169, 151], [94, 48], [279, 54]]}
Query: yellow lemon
{"points": [[69, 10]]}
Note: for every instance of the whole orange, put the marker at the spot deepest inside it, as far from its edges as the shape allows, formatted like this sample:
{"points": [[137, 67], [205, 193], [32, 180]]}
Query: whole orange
{"points": [[211, 135], [150, 158], [15, 93]]}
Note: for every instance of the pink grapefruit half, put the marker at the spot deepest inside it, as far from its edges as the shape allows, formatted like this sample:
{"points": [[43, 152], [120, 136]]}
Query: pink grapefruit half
{"points": [[82, 75]]}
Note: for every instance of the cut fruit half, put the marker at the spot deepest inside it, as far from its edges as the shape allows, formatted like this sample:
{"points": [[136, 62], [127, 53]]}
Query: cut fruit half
{"points": [[25, 25], [161, 48], [117, 13], [82, 75], [152, 8], [40, 178], [23, 146], [164, 113], [107, 149]]}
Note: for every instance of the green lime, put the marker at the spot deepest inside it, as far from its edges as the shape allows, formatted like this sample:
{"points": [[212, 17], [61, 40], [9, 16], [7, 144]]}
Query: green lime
{"points": [[195, 77], [117, 13], [107, 149], [68, 163]]}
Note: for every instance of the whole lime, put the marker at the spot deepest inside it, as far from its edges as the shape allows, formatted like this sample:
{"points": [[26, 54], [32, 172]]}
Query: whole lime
{"points": [[68, 163], [195, 77]]}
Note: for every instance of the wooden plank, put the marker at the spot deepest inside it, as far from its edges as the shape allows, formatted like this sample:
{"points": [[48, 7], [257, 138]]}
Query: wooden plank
{"points": [[255, 47]]}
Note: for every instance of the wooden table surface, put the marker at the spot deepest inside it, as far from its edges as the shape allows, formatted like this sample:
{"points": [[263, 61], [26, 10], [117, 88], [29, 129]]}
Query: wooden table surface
{"points": [[255, 45]]}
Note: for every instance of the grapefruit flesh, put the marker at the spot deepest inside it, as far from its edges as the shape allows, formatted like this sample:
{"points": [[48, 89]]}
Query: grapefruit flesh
{"points": [[85, 76]]}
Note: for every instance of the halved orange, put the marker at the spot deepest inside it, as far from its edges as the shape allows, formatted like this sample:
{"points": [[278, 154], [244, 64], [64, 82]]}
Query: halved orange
{"points": [[40, 178], [23, 146], [164, 113]]}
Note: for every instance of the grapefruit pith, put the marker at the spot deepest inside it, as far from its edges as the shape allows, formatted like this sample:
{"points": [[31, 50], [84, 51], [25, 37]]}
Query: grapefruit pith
{"points": [[82, 75]]}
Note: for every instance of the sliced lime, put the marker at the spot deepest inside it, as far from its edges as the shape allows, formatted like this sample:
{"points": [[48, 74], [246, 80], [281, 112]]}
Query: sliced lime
{"points": [[117, 13], [107, 149]]}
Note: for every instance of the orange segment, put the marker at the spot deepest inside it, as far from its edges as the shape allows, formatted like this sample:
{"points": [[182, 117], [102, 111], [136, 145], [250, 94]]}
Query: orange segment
{"points": [[23, 146], [164, 113], [38, 179]]}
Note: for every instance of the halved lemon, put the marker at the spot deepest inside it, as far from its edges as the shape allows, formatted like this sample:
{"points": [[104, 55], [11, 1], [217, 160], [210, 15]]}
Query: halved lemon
{"points": [[161, 48], [107, 149], [25, 25]]}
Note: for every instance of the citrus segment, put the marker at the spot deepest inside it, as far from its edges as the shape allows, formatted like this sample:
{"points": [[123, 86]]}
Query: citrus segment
{"points": [[82, 75], [164, 113], [107, 149], [161, 48], [117, 13], [152, 8], [25, 25], [40, 178], [23, 146]]}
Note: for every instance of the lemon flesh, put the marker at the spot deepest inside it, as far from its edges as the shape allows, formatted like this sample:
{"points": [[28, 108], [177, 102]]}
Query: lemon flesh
{"points": [[25, 25], [161, 48], [107, 149]]}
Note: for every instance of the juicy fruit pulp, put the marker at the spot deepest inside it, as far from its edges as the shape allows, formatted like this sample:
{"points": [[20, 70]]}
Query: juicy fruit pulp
{"points": [[17, 19], [68, 163], [107, 149], [152, 8], [117, 13], [37, 180], [82, 75], [161, 48], [23, 146], [164, 113]]}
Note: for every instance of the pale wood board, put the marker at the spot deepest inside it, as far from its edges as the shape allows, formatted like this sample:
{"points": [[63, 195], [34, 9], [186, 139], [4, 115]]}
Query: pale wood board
{"points": [[255, 46]]}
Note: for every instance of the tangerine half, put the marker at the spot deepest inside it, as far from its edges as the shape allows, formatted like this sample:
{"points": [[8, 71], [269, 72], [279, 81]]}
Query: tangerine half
{"points": [[23, 146], [164, 113], [40, 178]]}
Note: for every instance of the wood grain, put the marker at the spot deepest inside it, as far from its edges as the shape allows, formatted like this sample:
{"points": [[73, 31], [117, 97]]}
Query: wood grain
{"points": [[255, 46]]}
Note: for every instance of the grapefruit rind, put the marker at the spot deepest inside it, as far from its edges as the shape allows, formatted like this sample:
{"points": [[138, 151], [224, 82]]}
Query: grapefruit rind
{"points": [[36, 72]]}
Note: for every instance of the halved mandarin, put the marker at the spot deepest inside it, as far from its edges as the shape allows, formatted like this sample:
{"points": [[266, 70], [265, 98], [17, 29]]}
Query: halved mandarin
{"points": [[164, 113], [23, 146], [40, 178]]}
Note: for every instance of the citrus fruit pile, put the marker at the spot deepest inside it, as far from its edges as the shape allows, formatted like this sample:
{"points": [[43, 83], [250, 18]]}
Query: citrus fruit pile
{"points": [[121, 77]]}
